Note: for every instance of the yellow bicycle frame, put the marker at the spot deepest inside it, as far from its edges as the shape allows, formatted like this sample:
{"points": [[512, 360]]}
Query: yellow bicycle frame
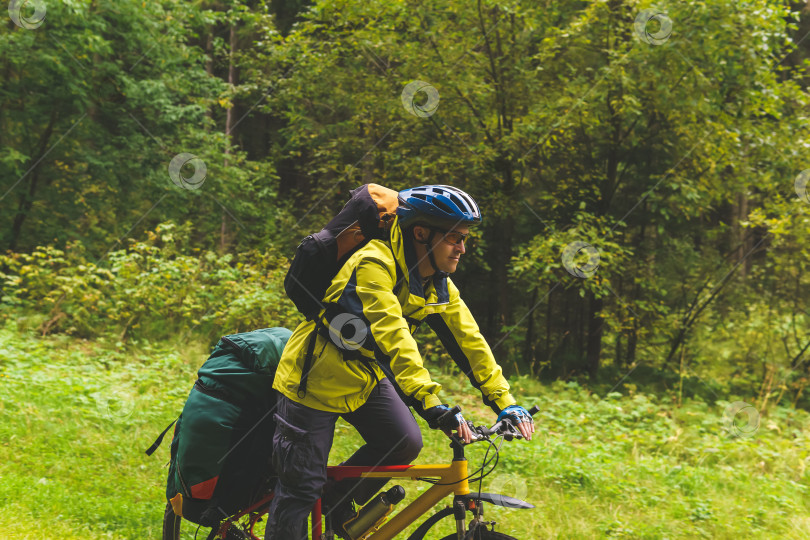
{"points": [[452, 479]]}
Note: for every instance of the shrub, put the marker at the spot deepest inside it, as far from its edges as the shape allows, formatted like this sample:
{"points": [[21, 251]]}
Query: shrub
{"points": [[150, 289]]}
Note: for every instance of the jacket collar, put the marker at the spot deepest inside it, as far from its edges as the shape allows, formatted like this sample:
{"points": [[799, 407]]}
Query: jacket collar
{"points": [[405, 255]]}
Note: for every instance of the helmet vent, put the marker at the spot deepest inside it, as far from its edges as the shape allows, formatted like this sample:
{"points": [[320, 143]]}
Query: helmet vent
{"points": [[457, 202], [443, 206]]}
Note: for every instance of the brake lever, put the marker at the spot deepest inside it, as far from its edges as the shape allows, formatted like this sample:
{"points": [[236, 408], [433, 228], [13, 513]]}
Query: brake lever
{"points": [[505, 429], [477, 435], [512, 434]]}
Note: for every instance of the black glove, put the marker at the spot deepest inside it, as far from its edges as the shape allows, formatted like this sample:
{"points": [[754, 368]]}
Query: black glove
{"points": [[433, 414]]}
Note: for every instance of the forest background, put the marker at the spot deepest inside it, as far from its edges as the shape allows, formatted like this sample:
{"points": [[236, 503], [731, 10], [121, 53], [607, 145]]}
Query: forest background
{"points": [[642, 171]]}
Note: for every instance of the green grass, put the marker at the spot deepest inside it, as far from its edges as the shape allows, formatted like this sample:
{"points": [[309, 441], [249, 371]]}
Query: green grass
{"points": [[76, 416]]}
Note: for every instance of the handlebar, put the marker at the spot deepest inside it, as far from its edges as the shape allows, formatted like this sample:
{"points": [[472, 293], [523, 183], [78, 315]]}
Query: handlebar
{"points": [[504, 427]]}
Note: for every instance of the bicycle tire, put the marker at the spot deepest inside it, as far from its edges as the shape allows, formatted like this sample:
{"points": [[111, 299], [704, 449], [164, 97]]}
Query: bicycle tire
{"points": [[171, 524], [483, 534]]}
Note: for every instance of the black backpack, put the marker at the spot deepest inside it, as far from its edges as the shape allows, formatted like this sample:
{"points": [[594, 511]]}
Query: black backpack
{"points": [[368, 215]]}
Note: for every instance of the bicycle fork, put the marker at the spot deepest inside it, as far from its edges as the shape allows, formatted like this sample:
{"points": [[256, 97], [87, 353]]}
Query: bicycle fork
{"points": [[460, 514]]}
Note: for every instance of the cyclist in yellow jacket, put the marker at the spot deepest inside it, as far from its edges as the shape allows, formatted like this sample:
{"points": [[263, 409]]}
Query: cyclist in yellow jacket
{"points": [[360, 360]]}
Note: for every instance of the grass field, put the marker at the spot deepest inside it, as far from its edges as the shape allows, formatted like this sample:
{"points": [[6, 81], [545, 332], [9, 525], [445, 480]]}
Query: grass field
{"points": [[76, 416]]}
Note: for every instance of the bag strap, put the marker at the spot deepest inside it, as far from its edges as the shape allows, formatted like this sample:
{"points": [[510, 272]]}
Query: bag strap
{"points": [[367, 364], [159, 440], [228, 341], [321, 327], [302, 386], [397, 289]]}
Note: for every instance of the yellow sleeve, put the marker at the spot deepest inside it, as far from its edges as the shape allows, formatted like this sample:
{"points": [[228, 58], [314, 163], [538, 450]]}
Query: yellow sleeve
{"points": [[374, 287], [462, 338]]}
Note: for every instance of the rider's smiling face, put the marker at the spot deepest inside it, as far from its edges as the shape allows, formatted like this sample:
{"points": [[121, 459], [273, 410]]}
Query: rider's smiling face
{"points": [[446, 252]]}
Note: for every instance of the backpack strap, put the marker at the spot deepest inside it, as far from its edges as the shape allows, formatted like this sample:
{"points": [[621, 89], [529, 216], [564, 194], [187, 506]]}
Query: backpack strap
{"points": [[416, 323], [302, 386], [320, 327], [400, 280], [367, 364], [159, 440], [228, 341]]}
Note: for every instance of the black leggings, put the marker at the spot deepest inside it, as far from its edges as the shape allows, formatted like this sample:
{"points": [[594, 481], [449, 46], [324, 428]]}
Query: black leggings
{"points": [[301, 449]]}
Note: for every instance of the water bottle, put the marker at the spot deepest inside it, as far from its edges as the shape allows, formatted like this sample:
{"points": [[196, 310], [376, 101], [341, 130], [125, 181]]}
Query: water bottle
{"points": [[374, 513]]}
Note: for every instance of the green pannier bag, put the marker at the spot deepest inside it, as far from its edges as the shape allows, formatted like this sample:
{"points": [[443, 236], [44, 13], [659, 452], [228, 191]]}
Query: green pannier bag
{"points": [[221, 448]]}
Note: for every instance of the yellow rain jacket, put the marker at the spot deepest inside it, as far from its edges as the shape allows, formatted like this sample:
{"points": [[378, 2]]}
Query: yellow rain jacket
{"points": [[377, 298]]}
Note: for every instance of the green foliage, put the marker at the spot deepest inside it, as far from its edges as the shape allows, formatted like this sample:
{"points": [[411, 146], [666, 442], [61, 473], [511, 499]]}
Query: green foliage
{"points": [[77, 414], [110, 92], [675, 161], [651, 153], [149, 290]]}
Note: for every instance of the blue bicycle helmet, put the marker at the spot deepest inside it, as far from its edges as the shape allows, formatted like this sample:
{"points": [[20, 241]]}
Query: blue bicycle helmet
{"points": [[437, 205]]}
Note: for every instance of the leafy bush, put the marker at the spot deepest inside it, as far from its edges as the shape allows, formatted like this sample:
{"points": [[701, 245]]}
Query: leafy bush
{"points": [[152, 289]]}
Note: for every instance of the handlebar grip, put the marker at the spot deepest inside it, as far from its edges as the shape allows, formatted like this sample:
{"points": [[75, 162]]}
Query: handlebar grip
{"points": [[447, 420], [534, 410]]}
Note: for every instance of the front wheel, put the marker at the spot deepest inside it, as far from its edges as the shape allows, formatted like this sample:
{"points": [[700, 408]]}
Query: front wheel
{"points": [[483, 534]]}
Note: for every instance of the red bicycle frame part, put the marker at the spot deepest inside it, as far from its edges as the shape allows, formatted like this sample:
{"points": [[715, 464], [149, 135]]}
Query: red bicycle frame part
{"points": [[337, 472]]}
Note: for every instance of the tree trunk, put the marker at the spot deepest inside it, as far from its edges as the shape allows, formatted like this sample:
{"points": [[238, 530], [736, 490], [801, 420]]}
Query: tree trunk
{"points": [[739, 213], [26, 198], [582, 315], [632, 339], [503, 270], [528, 344], [223, 233], [594, 348], [498, 300], [209, 65], [617, 353], [547, 345]]}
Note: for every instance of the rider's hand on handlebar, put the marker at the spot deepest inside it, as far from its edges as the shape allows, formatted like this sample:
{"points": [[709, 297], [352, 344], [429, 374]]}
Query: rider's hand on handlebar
{"points": [[464, 431], [526, 429], [444, 418], [520, 418]]}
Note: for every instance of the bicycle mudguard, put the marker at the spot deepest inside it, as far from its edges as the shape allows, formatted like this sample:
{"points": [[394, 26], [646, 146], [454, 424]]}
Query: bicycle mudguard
{"points": [[498, 499], [494, 498]]}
